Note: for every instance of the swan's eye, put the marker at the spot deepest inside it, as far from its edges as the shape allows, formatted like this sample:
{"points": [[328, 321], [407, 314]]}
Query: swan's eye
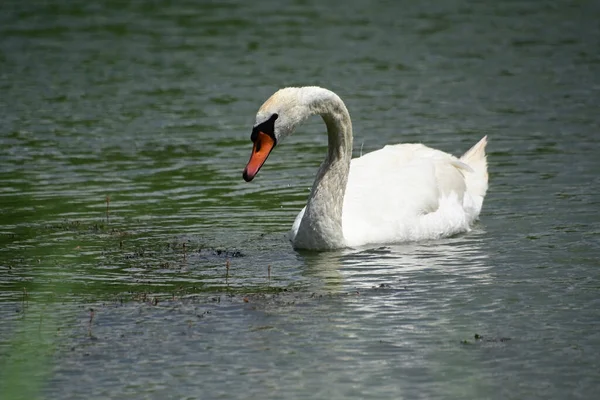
{"points": [[267, 127]]}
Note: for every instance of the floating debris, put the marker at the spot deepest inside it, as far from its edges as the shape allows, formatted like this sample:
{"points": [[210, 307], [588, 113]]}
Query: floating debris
{"points": [[480, 338]]}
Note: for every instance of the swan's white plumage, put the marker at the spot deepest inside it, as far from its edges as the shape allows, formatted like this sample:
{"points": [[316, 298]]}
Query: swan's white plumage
{"points": [[403, 192], [410, 192]]}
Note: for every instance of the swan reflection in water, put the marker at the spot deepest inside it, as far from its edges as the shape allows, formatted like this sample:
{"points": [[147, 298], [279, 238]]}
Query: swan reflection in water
{"points": [[454, 260]]}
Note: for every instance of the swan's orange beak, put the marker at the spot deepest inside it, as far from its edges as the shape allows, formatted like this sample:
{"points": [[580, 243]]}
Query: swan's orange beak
{"points": [[261, 150]]}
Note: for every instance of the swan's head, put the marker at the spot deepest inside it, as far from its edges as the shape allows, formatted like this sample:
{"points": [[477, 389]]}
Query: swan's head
{"points": [[275, 119]]}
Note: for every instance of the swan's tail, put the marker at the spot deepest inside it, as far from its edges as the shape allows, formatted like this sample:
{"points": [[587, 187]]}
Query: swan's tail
{"points": [[477, 181]]}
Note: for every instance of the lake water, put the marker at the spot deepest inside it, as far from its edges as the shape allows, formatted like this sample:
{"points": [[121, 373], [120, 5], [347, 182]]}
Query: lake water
{"points": [[195, 291]]}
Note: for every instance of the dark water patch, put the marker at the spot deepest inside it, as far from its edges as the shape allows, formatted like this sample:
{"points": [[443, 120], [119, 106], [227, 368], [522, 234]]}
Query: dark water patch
{"points": [[511, 110], [224, 100], [526, 42], [434, 27]]}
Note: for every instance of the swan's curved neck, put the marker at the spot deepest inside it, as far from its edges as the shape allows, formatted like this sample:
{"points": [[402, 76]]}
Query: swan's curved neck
{"points": [[321, 225]]}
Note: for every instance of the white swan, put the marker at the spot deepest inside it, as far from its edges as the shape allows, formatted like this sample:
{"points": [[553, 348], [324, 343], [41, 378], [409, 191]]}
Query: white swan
{"points": [[402, 192]]}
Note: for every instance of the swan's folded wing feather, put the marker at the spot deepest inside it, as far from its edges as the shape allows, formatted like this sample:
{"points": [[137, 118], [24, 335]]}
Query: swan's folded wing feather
{"points": [[386, 189]]}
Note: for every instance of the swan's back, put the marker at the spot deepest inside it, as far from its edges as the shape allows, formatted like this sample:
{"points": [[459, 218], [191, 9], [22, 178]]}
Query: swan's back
{"points": [[411, 192]]}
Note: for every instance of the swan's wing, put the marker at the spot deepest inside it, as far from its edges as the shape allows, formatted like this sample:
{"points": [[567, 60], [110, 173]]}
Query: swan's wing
{"points": [[449, 171], [392, 187], [294, 231]]}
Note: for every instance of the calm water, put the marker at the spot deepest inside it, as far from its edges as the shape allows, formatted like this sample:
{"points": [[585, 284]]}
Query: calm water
{"points": [[151, 104]]}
